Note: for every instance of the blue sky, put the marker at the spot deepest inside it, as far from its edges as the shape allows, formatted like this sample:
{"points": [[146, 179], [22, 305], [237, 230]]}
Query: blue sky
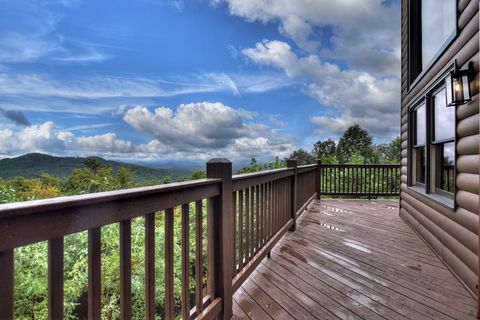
{"points": [[172, 79]]}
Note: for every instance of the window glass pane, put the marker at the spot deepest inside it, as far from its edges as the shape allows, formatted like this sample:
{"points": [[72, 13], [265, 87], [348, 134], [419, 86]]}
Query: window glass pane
{"points": [[438, 23], [420, 131], [420, 164], [444, 118], [447, 167]]}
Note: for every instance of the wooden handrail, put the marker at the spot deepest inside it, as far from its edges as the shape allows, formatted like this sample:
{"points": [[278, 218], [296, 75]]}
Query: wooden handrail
{"points": [[246, 216], [359, 180]]}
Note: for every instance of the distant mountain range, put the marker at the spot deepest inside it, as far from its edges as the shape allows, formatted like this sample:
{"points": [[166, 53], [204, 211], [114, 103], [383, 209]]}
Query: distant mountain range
{"points": [[32, 165]]}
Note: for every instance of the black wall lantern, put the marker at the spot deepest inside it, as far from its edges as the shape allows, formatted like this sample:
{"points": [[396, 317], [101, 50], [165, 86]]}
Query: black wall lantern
{"points": [[457, 86]]}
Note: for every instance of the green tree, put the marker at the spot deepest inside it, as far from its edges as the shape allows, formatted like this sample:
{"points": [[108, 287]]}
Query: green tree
{"points": [[302, 156], [390, 152], [124, 177], [255, 166], [325, 151], [355, 140], [198, 174]]}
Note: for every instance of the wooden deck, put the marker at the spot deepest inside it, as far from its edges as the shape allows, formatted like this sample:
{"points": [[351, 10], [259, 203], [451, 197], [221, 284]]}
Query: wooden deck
{"points": [[352, 259]]}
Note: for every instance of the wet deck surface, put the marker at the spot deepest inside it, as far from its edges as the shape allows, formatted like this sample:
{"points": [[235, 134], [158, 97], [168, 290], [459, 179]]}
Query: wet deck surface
{"points": [[352, 260]]}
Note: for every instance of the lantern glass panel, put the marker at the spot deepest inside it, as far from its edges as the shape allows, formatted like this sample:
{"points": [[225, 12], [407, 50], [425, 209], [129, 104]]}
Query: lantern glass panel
{"points": [[466, 88], [449, 89]]}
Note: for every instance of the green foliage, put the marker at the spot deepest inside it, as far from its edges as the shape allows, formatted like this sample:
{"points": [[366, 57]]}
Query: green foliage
{"points": [[325, 151], [198, 174], [7, 194], [95, 175], [358, 141], [390, 152], [31, 265], [255, 166], [33, 165], [303, 157]]}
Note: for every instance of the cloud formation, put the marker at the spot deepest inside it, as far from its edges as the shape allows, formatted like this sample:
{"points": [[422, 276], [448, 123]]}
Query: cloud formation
{"points": [[29, 34], [363, 31], [207, 129], [192, 131], [18, 117], [348, 56], [101, 93], [357, 95]]}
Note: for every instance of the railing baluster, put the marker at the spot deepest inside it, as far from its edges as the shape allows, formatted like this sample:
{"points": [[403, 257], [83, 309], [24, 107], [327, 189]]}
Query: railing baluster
{"points": [[262, 215], [247, 225], [169, 298], [6, 287], [55, 278], [240, 230], [126, 270], [383, 180], [257, 216], [269, 212], [275, 207], [94, 274], [252, 222], [150, 266], [185, 262], [199, 254], [235, 247]]}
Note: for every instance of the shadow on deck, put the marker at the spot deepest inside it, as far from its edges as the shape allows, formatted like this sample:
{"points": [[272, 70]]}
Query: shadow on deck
{"points": [[352, 259]]}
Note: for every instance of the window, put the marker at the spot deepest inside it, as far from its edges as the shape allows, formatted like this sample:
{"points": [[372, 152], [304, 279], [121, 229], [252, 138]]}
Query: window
{"points": [[432, 146], [419, 144], [432, 26], [443, 143]]}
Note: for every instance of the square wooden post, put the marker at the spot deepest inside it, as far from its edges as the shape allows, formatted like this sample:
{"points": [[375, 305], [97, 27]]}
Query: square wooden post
{"points": [[223, 229], [318, 181], [6, 285], [292, 163]]}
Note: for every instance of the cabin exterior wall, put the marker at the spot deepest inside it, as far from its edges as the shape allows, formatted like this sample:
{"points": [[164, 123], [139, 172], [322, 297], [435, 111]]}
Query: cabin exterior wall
{"points": [[452, 232]]}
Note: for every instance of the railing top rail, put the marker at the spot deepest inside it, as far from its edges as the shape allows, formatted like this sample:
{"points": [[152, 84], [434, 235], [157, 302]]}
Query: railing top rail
{"points": [[237, 177], [313, 165], [10, 210], [242, 181], [360, 165]]}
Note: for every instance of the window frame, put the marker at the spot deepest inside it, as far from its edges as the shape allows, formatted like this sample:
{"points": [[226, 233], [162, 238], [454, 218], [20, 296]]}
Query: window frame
{"points": [[414, 64], [426, 97], [415, 147], [438, 145]]}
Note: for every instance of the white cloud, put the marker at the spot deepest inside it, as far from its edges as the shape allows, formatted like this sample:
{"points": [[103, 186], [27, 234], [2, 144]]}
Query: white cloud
{"points": [[277, 122], [29, 34], [103, 93], [233, 51], [89, 126], [48, 138], [105, 143], [203, 125], [358, 96], [349, 56], [205, 130], [364, 32], [192, 131]]}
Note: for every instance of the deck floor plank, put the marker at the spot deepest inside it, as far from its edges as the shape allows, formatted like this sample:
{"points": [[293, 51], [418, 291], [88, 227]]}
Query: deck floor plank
{"points": [[352, 259]]}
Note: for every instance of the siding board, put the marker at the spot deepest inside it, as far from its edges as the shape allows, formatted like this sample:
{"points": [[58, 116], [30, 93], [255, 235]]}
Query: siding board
{"points": [[452, 234]]}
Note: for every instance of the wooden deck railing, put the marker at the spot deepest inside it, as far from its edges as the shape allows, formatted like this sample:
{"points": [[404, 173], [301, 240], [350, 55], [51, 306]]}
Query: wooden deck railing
{"points": [[360, 180], [264, 205]]}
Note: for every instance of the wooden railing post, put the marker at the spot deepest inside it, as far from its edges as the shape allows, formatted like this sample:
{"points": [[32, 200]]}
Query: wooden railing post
{"points": [[318, 181], [6, 284], [292, 163], [222, 242]]}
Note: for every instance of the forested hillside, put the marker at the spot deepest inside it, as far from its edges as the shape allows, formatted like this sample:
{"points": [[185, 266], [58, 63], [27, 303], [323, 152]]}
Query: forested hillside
{"points": [[33, 165]]}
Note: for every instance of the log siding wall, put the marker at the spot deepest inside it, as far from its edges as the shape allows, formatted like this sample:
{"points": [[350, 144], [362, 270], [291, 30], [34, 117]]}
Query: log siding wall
{"points": [[452, 234]]}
